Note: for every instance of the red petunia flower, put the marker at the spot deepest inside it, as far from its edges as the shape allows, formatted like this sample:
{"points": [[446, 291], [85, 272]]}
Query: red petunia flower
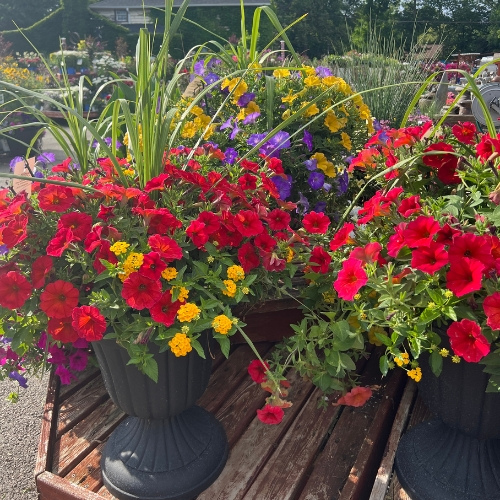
{"points": [[248, 257], [342, 236], [350, 279], [276, 165], [152, 266], [168, 248], [491, 306], [376, 206], [104, 253], [257, 370], [464, 276], [445, 235], [39, 270], [320, 260], [106, 212], [357, 397], [59, 299], [247, 182], [265, 242], [397, 241], [15, 231], [62, 167], [464, 132], [140, 292], [272, 262], [55, 198], [467, 341], [316, 223], [488, 148], [429, 259], [409, 206], [60, 242], [62, 330], [270, 414], [15, 290], [367, 254], [79, 223], [420, 231], [164, 311], [247, 222], [89, 323], [278, 219], [472, 246], [249, 165], [445, 163], [211, 221], [198, 234]]}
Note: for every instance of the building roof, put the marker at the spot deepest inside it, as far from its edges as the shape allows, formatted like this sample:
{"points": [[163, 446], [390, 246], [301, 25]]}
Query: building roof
{"points": [[123, 4]]}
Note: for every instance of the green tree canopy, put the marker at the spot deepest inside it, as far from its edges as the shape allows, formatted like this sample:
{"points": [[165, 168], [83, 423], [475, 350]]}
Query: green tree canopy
{"points": [[24, 12]]}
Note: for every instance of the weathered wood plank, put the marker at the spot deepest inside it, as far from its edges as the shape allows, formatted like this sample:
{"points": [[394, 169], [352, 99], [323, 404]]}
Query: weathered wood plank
{"points": [[44, 454], [78, 442], [227, 378], [363, 472], [87, 474], [84, 378], [52, 487], [282, 475], [384, 472], [104, 493], [80, 404], [252, 450]]}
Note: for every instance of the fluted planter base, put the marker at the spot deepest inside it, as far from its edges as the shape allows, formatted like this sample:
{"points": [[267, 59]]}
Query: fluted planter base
{"points": [[175, 458], [435, 461]]}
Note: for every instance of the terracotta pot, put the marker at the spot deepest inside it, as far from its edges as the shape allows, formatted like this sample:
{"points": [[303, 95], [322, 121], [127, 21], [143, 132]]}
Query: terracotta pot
{"points": [[167, 448]]}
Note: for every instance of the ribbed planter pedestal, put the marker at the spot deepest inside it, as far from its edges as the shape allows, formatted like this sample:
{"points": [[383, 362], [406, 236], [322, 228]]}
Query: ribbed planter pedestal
{"points": [[456, 456], [167, 448]]}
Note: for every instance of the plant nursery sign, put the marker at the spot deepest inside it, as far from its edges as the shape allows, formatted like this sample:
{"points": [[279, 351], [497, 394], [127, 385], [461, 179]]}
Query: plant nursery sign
{"points": [[21, 169]]}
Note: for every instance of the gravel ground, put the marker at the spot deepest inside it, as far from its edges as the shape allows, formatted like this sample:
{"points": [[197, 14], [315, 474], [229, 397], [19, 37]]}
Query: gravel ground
{"points": [[19, 431]]}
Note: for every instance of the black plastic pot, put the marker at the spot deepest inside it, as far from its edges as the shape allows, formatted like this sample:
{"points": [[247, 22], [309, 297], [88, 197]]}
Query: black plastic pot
{"points": [[167, 448], [457, 455]]}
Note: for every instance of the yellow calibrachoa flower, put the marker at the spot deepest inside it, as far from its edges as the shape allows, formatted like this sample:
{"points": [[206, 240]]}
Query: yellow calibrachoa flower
{"points": [[230, 290], [251, 107], [187, 312], [119, 247], [415, 374], [189, 130], [346, 141], [281, 73], [180, 345], [239, 86], [169, 273], [130, 172], [311, 110], [286, 114], [309, 70], [197, 111], [289, 254], [235, 273], [312, 81], [222, 324], [323, 164], [334, 123], [290, 97]]}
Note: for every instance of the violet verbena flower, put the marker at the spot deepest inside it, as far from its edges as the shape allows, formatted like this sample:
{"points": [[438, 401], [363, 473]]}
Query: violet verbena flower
{"points": [[20, 379], [211, 78], [284, 186], [245, 99], [304, 203], [235, 132], [311, 164], [308, 140], [251, 118], [323, 71], [316, 180], [230, 156], [254, 139], [199, 67], [227, 124], [46, 158], [273, 146]]}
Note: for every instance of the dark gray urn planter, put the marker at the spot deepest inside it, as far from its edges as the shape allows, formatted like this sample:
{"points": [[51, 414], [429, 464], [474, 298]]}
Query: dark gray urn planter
{"points": [[167, 448], [457, 455]]}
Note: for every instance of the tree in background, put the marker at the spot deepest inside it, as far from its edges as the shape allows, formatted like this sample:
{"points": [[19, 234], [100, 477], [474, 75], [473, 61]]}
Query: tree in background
{"points": [[24, 13], [324, 29], [75, 17]]}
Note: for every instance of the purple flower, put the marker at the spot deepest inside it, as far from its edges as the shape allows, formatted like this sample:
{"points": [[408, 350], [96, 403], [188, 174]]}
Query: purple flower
{"points": [[3, 249], [245, 99], [39, 174], [308, 140], [80, 343], [327, 186], [316, 180], [214, 62], [13, 162], [17, 376], [323, 71], [272, 147], [348, 159], [46, 158], [211, 78], [235, 132], [199, 67], [303, 201], [227, 124], [57, 355], [251, 118], [230, 156], [78, 360], [320, 206], [284, 186], [343, 182], [311, 164], [254, 139], [64, 374]]}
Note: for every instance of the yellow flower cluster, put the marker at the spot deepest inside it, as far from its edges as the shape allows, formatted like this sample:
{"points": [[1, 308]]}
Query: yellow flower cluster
{"points": [[238, 85], [133, 262], [402, 359], [346, 141], [169, 273], [222, 324], [230, 290], [188, 311], [323, 164], [415, 374], [334, 123], [252, 107], [200, 122], [183, 293], [235, 273], [180, 345], [119, 247], [281, 73]]}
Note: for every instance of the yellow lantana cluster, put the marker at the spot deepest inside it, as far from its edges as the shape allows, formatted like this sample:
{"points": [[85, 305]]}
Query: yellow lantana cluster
{"points": [[222, 324], [235, 273], [169, 273], [119, 247], [402, 359], [415, 374], [188, 311], [200, 122], [230, 290], [180, 345], [133, 262]]}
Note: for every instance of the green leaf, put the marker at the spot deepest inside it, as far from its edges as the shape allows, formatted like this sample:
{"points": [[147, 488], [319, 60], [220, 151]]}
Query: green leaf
{"points": [[383, 365], [436, 363], [435, 296], [150, 368], [225, 345], [198, 348], [430, 315], [347, 362]]}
